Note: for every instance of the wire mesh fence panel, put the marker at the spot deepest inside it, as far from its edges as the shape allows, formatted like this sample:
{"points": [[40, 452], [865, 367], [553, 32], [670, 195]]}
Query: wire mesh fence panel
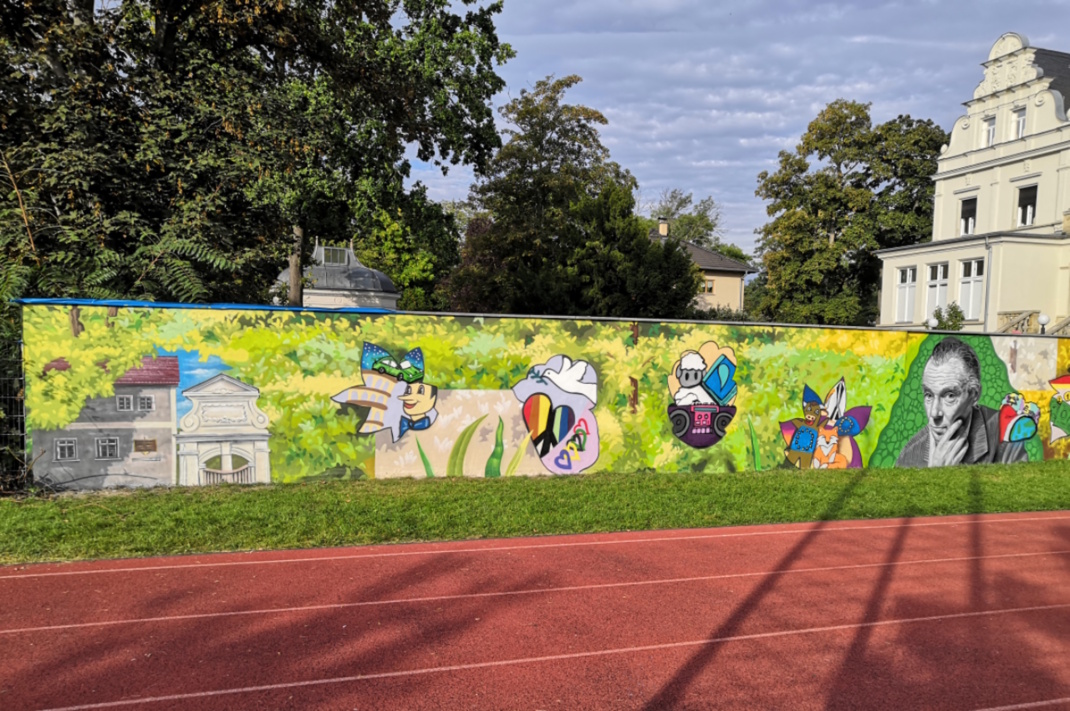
{"points": [[13, 470]]}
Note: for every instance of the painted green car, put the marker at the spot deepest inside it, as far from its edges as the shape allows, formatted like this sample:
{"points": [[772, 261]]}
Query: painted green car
{"points": [[404, 371]]}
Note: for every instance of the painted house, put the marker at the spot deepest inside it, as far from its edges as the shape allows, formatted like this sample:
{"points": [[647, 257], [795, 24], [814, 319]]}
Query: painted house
{"points": [[722, 277], [127, 439], [1000, 247]]}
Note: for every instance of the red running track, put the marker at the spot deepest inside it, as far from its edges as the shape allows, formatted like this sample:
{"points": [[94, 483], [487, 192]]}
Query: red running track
{"points": [[968, 612]]}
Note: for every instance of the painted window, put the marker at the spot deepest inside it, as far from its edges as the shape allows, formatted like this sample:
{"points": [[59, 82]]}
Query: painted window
{"points": [[971, 287], [146, 403], [1019, 123], [334, 255], [124, 403], [904, 305], [968, 216], [938, 274], [990, 132], [1027, 205], [66, 450], [107, 447]]}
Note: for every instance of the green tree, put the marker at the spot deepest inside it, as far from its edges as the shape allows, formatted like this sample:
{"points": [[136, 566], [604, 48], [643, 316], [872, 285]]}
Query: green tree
{"points": [[695, 222], [167, 150], [846, 190], [950, 319], [561, 214]]}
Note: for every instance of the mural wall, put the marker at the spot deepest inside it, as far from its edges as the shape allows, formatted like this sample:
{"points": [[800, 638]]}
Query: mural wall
{"points": [[141, 396]]}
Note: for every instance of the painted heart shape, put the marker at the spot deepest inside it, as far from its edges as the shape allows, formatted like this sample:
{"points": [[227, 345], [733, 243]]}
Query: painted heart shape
{"points": [[563, 459]]}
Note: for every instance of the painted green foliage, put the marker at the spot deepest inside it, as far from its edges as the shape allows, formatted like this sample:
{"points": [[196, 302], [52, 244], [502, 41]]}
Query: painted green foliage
{"points": [[298, 360]]}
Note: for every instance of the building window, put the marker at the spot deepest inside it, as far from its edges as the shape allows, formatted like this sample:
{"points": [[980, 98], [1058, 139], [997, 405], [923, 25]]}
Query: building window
{"points": [[1027, 205], [66, 450], [334, 255], [904, 305], [107, 447], [707, 287], [938, 274], [146, 403], [990, 132], [1019, 123], [971, 286], [124, 403], [968, 217]]}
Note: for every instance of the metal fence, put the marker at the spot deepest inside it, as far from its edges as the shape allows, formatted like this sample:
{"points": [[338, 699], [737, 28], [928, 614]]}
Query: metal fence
{"points": [[14, 472]]}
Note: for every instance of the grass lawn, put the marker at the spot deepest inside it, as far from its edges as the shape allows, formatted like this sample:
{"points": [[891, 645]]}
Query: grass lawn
{"points": [[157, 522]]}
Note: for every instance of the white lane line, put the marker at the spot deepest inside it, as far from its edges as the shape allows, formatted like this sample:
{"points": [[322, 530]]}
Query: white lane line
{"points": [[1030, 705], [506, 593], [523, 546], [556, 657]]}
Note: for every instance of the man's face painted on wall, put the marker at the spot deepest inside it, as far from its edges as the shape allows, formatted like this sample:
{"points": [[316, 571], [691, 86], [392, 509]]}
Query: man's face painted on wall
{"points": [[418, 400], [947, 395]]}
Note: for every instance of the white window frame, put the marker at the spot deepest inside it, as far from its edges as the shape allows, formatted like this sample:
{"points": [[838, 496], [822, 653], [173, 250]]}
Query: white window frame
{"points": [[337, 256], [128, 400], [142, 399], [971, 287], [990, 132], [1028, 217], [906, 294], [66, 442], [1019, 123], [105, 442], [970, 226], [937, 287]]}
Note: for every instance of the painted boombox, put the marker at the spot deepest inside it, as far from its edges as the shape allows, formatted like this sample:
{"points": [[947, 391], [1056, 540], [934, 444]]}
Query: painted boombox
{"points": [[703, 425], [700, 426]]}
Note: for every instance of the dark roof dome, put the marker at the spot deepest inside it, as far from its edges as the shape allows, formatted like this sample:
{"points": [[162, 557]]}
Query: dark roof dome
{"points": [[338, 268]]}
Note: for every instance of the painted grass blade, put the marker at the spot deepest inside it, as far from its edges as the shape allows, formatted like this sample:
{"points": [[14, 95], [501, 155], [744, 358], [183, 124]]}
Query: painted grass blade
{"points": [[754, 446], [493, 470], [455, 464], [423, 458]]}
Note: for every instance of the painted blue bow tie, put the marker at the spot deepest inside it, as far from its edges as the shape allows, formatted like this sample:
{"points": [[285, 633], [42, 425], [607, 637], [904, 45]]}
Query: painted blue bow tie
{"points": [[406, 424]]}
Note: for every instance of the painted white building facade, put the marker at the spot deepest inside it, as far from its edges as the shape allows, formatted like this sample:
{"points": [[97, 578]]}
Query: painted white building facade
{"points": [[1000, 247]]}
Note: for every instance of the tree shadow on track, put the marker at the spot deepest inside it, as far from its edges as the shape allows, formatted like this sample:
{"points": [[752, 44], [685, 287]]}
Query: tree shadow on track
{"points": [[954, 663], [121, 662], [671, 693]]}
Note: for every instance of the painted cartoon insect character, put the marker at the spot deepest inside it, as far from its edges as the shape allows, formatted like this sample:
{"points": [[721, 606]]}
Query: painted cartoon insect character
{"points": [[823, 438]]}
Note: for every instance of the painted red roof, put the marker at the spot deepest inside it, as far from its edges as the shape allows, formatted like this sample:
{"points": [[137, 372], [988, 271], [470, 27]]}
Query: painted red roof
{"points": [[162, 370]]}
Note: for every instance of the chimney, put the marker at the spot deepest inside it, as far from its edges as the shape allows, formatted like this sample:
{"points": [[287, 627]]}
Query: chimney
{"points": [[663, 226]]}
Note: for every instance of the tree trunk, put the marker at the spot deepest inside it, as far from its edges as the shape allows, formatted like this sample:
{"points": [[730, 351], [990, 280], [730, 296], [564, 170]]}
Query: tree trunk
{"points": [[295, 267]]}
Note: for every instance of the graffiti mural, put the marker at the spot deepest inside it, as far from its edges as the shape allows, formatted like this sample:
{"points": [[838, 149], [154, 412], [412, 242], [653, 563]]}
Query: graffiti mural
{"points": [[559, 398], [702, 386], [393, 391], [129, 394], [824, 437], [1059, 405], [959, 429]]}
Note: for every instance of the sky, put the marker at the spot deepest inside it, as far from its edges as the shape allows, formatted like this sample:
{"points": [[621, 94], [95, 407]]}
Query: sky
{"points": [[701, 95]]}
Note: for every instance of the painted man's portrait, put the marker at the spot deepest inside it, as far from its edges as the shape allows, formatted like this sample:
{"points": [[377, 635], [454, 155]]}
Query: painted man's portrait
{"points": [[959, 430]]}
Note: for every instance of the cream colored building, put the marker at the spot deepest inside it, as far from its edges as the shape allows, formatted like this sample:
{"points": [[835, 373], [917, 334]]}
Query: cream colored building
{"points": [[1000, 248], [722, 277]]}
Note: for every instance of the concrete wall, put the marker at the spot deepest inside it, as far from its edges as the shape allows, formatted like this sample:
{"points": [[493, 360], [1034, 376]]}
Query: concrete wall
{"points": [[350, 395]]}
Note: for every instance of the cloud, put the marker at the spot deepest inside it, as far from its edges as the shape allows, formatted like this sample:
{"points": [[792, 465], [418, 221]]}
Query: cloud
{"points": [[702, 96]]}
